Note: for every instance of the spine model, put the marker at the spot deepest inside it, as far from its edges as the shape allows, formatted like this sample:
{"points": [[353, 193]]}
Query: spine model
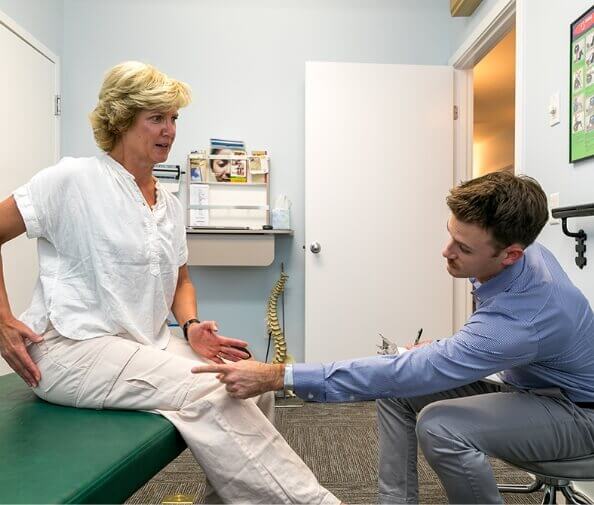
{"points": [[274, 329]]}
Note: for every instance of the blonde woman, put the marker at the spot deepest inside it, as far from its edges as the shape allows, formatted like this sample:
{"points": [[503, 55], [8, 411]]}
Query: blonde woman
{"points": [[112, 264]]}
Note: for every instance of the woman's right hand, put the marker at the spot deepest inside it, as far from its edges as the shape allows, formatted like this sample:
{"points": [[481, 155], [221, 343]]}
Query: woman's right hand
{"points": [[12, 348]]}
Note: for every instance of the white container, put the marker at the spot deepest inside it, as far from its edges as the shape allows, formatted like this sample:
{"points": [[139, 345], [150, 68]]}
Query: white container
{"points": [[281, 219]]}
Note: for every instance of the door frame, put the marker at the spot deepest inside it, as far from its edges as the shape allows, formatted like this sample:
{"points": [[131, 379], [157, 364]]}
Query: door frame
{"points": [[493, 27], [29, 39], [13, 27]]}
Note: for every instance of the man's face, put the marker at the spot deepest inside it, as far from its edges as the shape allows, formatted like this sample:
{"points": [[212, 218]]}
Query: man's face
{"points": [[470, 252]]}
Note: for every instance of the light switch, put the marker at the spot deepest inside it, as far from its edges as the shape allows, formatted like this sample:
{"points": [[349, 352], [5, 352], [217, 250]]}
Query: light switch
{"points": [[554, 109], [553, 204]]}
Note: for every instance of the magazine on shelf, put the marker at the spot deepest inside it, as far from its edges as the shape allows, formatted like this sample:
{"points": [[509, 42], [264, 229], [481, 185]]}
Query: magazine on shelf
{"points": [[224, 167]]}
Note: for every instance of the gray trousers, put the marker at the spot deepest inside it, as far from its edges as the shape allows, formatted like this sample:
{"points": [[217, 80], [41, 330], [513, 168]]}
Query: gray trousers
{"points": [[459, 428]]}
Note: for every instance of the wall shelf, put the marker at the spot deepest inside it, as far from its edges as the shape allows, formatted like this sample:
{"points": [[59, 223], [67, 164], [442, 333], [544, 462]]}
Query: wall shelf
{"points": [[218, 197], [564, 213], [228, 231], [242, 184], [226, 218], [227, 247]]}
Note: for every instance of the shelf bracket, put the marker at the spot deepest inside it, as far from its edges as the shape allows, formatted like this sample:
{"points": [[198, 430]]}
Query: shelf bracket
{"points": [[580, 236], [580, 243]]}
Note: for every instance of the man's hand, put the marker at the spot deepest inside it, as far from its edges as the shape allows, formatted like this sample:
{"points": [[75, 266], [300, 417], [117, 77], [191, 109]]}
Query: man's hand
{"points": [[12, 348], [421, 343], [205, 341], [247, 378]]}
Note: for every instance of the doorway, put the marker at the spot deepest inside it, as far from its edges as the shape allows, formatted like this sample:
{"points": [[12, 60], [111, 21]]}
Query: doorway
{"points": [[494, 78], [491, 40]]}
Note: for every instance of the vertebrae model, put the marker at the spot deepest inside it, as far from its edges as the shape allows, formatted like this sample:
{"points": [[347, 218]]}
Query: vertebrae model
{"points": [[280, 344]]}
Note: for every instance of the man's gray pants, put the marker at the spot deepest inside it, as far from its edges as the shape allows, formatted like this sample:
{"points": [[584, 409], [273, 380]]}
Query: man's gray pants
{"points": [[459, 428]]}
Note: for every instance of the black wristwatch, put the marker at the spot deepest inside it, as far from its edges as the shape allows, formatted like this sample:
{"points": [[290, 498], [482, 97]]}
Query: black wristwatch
{"points": [[187, 325]]}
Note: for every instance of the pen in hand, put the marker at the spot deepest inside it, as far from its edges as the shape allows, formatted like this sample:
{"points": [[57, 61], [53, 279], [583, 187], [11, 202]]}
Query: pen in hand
{"points": [[418, 336]]}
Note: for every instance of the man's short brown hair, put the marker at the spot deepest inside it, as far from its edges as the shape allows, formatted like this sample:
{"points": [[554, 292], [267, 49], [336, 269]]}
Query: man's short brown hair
{"points": [[512, 208]]}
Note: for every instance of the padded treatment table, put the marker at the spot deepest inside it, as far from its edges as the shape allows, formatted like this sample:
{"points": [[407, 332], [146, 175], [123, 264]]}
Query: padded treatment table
{"points": [[55, 454]]}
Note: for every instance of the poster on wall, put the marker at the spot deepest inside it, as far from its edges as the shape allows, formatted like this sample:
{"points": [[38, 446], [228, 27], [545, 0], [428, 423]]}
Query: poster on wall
{"points": [[581, 88]]}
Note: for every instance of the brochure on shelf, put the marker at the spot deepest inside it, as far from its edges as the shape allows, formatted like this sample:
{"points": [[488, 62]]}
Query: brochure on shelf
{"points": [[199, 194]]}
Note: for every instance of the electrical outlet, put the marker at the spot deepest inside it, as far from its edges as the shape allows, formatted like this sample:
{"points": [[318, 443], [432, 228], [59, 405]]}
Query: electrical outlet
{"points": [[553, 204]]}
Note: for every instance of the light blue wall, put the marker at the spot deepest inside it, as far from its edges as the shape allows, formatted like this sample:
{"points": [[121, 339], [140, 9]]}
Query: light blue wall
{"points": [[547, 148], [245, 61], [41, 18], [463, 26]]}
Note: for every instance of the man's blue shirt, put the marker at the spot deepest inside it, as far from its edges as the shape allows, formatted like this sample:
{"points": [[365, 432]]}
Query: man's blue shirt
{"points": [[531, 324]]}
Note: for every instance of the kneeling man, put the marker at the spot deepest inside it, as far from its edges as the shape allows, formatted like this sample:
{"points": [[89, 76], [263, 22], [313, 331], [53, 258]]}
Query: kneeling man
{"points": [[531, 326]]}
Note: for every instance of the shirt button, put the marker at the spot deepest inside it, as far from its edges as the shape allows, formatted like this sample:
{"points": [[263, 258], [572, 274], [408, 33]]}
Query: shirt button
{"points": [[310, 396]]}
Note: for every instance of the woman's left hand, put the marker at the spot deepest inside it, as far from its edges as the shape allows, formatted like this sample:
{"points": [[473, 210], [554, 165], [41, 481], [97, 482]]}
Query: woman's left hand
{"points": [[205, 341]]}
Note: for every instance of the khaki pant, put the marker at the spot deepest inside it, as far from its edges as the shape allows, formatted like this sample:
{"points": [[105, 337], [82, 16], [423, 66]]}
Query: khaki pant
{"points": [[244, 457]]}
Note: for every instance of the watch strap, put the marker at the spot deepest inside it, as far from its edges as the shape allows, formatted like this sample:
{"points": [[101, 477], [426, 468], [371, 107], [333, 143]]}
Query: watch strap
{"points": [[187, 325], [289, 383]]}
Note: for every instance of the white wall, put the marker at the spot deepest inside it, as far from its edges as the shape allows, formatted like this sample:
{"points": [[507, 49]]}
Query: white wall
{"points": [[245, 61], [41, 18]]}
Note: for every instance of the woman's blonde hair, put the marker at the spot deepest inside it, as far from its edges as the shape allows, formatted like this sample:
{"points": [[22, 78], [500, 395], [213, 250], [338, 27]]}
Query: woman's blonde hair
{"points": [[127, 89]]}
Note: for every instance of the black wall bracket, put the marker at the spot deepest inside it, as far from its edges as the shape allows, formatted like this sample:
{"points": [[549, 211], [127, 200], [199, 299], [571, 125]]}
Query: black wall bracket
{"points": [[565, 213]]}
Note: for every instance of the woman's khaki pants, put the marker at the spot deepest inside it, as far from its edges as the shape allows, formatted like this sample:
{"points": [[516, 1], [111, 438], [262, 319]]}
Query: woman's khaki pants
{"points": [[244, 457]]}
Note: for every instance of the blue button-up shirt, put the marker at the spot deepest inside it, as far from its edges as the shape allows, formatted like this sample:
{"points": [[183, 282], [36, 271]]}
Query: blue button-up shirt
{"points": [[531, 324]]}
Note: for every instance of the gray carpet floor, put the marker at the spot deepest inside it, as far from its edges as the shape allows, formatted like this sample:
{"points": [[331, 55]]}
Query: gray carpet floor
{"points": [[339, 443]]}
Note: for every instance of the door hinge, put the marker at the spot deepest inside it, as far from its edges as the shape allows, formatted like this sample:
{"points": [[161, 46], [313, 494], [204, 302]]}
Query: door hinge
{"points": [[57, 105], [455, 112]]}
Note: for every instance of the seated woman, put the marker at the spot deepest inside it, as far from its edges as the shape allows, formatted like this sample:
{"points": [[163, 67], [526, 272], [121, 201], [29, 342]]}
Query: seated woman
{"points": [[112, 264]]}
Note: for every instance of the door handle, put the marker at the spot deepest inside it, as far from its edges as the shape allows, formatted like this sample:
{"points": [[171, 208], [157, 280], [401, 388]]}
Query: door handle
{"points": [[315, 247]]}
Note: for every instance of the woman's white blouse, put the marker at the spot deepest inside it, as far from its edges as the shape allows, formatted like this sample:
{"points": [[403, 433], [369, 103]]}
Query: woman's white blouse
{"points": [[108, 264]]}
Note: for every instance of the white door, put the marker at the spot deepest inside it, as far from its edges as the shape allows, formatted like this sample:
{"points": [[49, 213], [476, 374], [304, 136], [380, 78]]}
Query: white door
{"points": [[28, 133], [379, 164]]}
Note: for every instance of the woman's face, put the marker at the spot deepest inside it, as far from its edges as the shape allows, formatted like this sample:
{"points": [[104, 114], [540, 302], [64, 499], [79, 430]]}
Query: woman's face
{"points": [[151, 136], [221, 167]]}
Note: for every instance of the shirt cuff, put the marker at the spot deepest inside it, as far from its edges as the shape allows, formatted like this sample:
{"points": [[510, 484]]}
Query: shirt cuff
{"points": [[25, 206], [309, 382]]}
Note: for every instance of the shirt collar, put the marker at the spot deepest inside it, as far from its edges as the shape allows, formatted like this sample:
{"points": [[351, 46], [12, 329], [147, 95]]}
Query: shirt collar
{"points": [[118, 167], [500, 283]]}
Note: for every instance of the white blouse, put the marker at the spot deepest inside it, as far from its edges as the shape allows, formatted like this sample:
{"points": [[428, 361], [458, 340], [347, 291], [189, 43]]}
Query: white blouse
{"points": [[108, 264]]}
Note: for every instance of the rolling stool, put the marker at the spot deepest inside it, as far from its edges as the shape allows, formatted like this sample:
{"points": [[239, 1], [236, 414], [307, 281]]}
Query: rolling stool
{"points": [[553, 476]]}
